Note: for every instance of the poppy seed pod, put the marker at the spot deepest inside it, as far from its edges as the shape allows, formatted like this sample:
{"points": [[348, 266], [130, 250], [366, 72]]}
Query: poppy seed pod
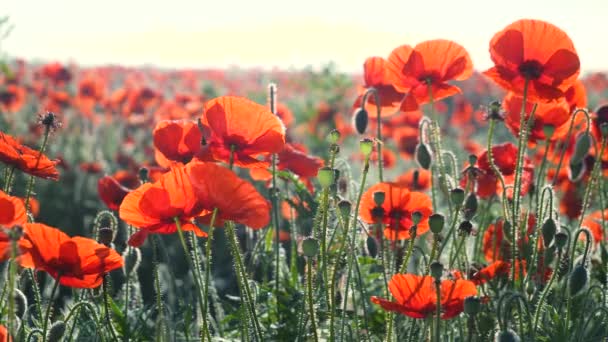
{"points": [[548, 131], [436, 223], [310, 247], [548, 229], [436, 270], [465, 227], [379, 197], [470, 206], [457, 197], [56, 331], [144, 174], [325, 177], [561, 239], [366, 146], [506, 336], [333, 136], [576, 171], [581, 148], [345, 207], [472, 159], [360, 120], [579, 277], [372, 246], [416, 217], [495, 111], [423, 156], [105, 236], [472, 305]]}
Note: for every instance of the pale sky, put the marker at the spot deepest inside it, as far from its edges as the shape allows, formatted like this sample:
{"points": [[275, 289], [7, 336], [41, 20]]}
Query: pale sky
{"points": [[267, 33]]}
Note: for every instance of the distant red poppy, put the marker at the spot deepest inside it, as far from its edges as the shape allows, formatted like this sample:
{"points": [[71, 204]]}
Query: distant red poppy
{"points": [[490, 272], [12, 98], [76, 262], [415, 179], [178, 141], [594, 222], [293, 159], [111, 192], [374, 74], [237, 200], [26, 159], [409, 119], [430, 64], [537, 51], [153, 206], [406, 139], [91, 167], [90, 92], [416, 296], [250, 129], [5, 245], [397, 209], [505, 156], [555, 114], [12, 210], [496, 247]]}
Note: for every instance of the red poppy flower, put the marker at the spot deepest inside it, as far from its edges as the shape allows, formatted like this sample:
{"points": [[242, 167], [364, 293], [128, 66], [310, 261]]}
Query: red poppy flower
{"points": [[415, 179], [505, 156], [5, 245], [12, 210], [374, 74], [576, 96], [406, 139], [389, 125], [490, 272], [284, 114], [154, 206], [496, 247], [594, 222], [430, 64], [111, 192], [178, 141], [76, 262], [416, 296], [4, 337], [397, 209], [555, 114], [537, 51], [237, 200], [90, 92], [91, 167], [26, 159], [12, 98], [231, 122]]}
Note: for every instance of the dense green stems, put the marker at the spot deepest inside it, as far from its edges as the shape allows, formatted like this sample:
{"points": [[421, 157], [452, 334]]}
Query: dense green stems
{"points": [[11, 285], [127, 287], [595, 175], [457, 251], [272, 103], [568, 136], [438, 310], [539, 218], [49, 308], [495, 168], [36, 290], [541, 172], [436, 147], [410, 248], [159, 302], [324, 208], [9, 172], [191, 263], [243, 280], [449, 234], [543, 295], [310, 299], [205, 315], [332, 304], [106, 303], [30, 186]]}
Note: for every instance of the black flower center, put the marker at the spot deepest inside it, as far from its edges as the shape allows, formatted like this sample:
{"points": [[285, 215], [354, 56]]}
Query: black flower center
{"points": [[531, 69]]}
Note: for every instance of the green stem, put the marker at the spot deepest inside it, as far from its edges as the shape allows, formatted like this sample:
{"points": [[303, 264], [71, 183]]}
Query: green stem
{"points": [[311, 305], [496, 169], [410, 248], [107, 307], [595, 174], [49, 308], [374, 91], [206, 332], [30, 187], [438, 311], [546, 290]]}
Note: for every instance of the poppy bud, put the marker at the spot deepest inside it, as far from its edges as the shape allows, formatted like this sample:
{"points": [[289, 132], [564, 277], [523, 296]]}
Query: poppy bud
{"points": [[581, 148], [144, 174], [423, 156], [576, 171], [56, 332], [506, 336], [325, 177], [344, 207], [333, 136], [604, 129], [548, 229], [20, 303], [436, 270], [360, 120], [372, 246], [366, 146], [416, 217], [495, 111], [465, 227], [561, 239], [549, 254], [457, 196], [470, 206], [436, 223], [379, 197], [472, 305], [310, 247], [132, 259], [548, 130], [49, 120], [105, 236], [472, 159], [578, 279], [378, 214], [342, 185]]}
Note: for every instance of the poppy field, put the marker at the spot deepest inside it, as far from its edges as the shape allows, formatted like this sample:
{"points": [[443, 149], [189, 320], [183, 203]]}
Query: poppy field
{"points": [[420, 200]]}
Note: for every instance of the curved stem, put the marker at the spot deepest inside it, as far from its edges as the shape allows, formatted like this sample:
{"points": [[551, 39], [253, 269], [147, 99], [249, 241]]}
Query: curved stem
{"points": [[374, 91], [543, 295], [595, 174], [568, 136], [49, 308]]}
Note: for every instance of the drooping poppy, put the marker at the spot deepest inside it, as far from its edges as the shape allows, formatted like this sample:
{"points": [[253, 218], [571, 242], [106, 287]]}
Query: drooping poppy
{"points": [[153, 207], [76, 262], [396, 211], [536, 51], [237, 200], [555, 114], [416, 296], [504, 156], [374, 75], [247, 128], [423, 72], [12, 210], [177, 140], [26, 159]]}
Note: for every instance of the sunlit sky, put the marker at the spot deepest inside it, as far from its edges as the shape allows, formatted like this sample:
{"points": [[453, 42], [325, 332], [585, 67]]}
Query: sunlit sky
{"points": [[268, 33]]}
